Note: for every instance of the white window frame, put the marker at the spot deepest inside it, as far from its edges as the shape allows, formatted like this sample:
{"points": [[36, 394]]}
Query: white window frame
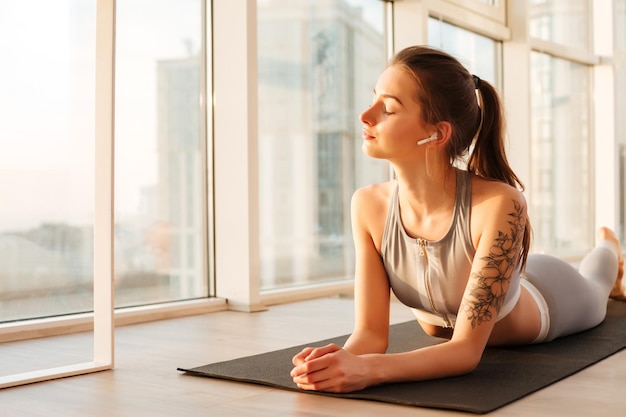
{"points": [[496, 12], [606, 154], [103, 329], [411, 19], [236, 155]]}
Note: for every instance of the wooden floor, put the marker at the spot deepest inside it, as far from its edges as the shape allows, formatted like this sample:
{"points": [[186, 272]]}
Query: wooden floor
{"points": [[145, 381]]}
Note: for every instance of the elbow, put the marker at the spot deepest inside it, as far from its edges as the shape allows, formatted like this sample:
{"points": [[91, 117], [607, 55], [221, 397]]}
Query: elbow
{"points": [[462, 366], [468, 359], [469, 365]]}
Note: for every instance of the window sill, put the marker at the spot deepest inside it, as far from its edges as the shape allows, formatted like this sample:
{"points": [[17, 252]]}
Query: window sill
{"points": [[55, 326]]}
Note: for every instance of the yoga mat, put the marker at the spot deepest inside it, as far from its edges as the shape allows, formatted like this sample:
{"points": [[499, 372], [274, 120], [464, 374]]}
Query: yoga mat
{"points": [[503, 376]]}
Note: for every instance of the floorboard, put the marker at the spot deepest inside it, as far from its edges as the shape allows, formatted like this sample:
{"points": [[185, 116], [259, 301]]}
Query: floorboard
{"points": [[145, 381]]}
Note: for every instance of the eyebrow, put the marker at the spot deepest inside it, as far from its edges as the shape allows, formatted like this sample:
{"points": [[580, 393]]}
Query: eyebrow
{"points": [[391, 97]]}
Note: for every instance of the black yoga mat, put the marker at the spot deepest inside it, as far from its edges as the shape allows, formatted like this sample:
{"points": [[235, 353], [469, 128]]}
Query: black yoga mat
{"points": [[503, 376]]}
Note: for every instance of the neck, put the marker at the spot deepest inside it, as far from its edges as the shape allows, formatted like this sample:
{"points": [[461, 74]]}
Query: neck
{"points": [[424, 192]]}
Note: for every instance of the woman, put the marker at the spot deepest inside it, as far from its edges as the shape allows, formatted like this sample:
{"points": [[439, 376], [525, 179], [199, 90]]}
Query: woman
{"points": [[452, 244]]}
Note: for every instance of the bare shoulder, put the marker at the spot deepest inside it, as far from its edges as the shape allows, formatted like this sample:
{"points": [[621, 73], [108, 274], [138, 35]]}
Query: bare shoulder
{"points": [[374, 196], [489, 194], [494, 205], [369, 209]]}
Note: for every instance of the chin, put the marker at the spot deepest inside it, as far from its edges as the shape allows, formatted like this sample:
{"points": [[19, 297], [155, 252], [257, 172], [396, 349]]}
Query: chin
{"points": [[371, 151]]}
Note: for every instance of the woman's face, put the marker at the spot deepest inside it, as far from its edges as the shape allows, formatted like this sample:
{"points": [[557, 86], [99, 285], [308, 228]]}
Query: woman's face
{"points": [[393, 124]]}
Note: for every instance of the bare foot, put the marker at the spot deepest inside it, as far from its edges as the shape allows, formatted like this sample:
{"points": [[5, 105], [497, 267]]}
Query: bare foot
{"points": [[618, 292]]}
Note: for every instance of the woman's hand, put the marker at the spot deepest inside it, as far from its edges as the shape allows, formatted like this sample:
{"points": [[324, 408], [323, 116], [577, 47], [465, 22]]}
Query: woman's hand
{"points": [[330, 368]]}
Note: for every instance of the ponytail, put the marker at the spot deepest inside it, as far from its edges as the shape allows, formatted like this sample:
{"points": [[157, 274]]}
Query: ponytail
{"points": [[488, 158]]}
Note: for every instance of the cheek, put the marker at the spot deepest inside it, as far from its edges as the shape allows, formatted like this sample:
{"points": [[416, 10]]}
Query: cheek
{"points": [[402, 131]]}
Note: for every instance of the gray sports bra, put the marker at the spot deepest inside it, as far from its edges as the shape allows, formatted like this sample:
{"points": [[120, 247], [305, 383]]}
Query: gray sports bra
{"points": [[431, 276]]}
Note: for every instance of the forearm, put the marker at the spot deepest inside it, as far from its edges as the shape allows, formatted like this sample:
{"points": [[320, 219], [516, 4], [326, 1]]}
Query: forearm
{"points": [[438, 361]]}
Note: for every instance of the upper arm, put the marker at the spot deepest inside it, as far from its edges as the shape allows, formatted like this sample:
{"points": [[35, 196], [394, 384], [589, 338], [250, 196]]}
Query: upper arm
{"points": [[371, 286], [502, 221]]}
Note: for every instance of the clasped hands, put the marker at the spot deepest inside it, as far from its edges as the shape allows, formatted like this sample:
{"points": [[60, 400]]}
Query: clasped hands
{"points": [[330, 368]]}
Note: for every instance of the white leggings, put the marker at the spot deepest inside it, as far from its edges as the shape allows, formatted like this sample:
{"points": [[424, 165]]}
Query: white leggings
{"points": [[575, 300]]}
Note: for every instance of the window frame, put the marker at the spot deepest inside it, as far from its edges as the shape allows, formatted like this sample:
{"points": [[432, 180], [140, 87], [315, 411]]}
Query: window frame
{"points": [[103, 327], [605, 130], [495, 12]]}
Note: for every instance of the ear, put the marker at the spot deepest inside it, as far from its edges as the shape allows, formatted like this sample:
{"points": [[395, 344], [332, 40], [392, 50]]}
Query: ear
{"points": [[444, 132]]}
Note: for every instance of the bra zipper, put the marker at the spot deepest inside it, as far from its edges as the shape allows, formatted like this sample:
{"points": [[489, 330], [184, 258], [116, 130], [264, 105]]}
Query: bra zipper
{"points": [[422, 251]]}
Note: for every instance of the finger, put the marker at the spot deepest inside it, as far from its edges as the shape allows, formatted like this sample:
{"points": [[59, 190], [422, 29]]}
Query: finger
{"points": [[321, 351], [299, 358], [322, 380], [311, 366], [325, 386], [310, 380]]}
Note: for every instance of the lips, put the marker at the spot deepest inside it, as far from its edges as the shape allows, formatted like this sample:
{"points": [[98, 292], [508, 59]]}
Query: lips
{"points": [[366, 135]]}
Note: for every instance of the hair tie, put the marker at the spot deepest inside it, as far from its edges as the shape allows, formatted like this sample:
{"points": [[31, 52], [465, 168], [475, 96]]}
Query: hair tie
{"points": [[476, 81]]}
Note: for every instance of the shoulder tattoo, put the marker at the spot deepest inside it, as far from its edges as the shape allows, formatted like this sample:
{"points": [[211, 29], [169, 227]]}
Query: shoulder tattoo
{"points": [[492, 282]]}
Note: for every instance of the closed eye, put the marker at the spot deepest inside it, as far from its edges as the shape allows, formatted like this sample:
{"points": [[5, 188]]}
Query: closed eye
{"points": [[383, 107], [385, 111]]}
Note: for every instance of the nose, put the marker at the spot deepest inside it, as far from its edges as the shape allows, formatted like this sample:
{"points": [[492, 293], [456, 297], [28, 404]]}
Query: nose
{"points": [[366, 116]]}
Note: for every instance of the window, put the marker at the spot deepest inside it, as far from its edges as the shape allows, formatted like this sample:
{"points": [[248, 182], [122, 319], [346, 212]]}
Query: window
{"points": [[160, 237], [60, 233], [57, 232], [482, 56], [560, 152], [561, 187], [46, 162], [318, 64], [565, 22]]}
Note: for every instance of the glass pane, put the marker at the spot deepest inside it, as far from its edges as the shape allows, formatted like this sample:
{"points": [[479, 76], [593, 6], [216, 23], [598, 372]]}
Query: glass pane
{"points": [[561, 191], [46, 162], [480, 55], [619, 23], [318, 64], [160, 195], [562, 21], [47, 98]]}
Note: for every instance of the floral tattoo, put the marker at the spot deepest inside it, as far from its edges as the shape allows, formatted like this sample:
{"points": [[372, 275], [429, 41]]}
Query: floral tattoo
{"points": [[492, 282]]}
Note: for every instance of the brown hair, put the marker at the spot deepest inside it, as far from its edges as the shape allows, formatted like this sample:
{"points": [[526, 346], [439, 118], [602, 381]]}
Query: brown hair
{"points": [[447, 92]]}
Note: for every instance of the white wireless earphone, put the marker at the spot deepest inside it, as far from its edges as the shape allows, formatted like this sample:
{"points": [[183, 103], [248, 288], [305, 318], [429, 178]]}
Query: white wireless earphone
{"points": [[431, 138]]}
